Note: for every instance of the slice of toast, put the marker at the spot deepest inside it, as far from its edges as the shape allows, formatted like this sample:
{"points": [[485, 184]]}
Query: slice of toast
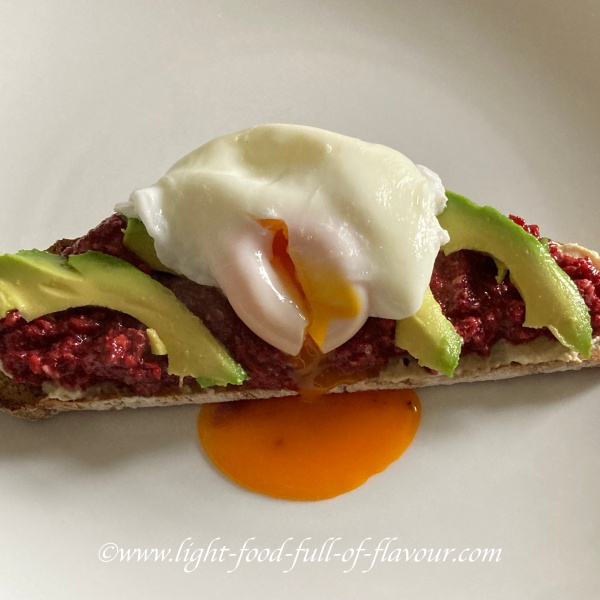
{"points": [[506, 360]]}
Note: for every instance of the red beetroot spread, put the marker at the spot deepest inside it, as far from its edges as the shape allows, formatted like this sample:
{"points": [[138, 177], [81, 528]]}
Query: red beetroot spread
{"points": [[482, 310], [84, 346]]}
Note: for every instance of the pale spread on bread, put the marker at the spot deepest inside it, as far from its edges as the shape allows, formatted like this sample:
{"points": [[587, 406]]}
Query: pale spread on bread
{"points": [[539, 351], [52, 389], [503, 354]]}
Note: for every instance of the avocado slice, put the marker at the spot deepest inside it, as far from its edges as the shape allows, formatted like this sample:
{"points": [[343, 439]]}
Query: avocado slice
{"points": [[430, 337], [551, 299], [37, 283], [139, 241]]}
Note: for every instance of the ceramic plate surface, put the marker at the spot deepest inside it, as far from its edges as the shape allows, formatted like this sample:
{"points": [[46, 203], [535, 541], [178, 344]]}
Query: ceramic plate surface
{"points": [[500, 98]]}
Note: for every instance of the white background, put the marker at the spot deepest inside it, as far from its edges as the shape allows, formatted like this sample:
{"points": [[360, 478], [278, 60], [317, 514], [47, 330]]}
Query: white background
{"points": [[499, 97]]}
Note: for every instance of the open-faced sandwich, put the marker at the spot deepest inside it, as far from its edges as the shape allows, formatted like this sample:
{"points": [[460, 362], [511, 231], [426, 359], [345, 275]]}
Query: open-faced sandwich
{"points": [[286, 257]]}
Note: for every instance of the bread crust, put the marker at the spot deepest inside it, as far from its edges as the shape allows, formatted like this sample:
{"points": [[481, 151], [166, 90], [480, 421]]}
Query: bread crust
{"points": [[506, 360]]}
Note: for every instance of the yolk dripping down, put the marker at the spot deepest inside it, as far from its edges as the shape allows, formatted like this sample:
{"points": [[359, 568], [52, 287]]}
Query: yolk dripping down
{"points": [[322, 293], [311, 446]]}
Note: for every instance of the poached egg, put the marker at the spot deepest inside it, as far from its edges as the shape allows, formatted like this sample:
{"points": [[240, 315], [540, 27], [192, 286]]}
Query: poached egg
{"points": [[306, 231]]}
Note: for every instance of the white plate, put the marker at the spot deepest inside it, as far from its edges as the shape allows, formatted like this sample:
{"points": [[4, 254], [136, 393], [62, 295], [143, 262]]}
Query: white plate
{"points": [[500, 98]]}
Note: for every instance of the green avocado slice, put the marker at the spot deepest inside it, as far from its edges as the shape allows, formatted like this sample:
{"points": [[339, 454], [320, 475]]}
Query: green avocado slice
{"points": [[139, 241], [37, 283], [551, 298], [430, 337]]}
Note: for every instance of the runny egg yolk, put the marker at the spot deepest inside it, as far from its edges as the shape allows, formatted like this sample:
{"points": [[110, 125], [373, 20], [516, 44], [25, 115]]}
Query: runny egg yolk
{"points": [[311, 446], [323, 293], [297, 450]]}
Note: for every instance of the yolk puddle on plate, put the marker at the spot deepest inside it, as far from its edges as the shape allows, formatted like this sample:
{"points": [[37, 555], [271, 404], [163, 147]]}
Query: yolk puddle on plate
{"points": [[314, 445], [309, 450]]}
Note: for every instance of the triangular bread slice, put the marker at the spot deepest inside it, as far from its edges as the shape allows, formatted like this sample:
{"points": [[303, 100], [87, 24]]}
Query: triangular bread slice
{"points": [[542, 355]]}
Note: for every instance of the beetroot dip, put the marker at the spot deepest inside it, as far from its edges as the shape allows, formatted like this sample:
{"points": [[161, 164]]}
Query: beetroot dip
{"points": [[90, 345]]}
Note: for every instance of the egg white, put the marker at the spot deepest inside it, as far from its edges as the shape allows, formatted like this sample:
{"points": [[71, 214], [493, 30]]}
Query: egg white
{"points": [[361, 211]]}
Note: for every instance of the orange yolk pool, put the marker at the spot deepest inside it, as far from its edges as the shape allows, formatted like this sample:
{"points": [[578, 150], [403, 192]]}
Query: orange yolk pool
{"points": [[309, 450]]}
